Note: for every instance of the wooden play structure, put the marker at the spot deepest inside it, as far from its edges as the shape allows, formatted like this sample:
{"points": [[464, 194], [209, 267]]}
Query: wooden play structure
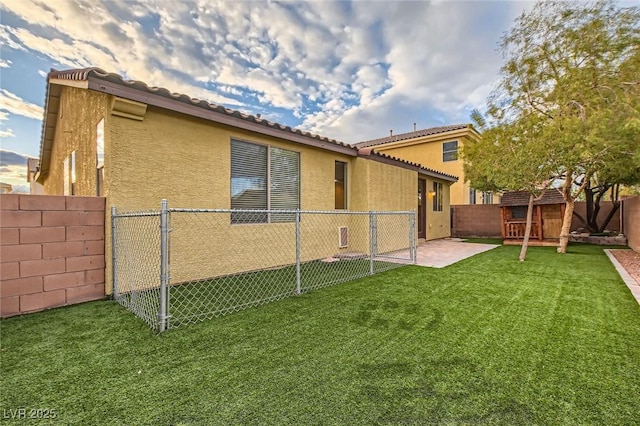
{"points": [[548, 213]]}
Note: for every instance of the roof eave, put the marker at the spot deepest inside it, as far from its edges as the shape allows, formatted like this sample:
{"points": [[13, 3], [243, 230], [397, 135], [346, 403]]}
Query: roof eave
{"points": [[450, 134], [49, 123], [159, 101]]}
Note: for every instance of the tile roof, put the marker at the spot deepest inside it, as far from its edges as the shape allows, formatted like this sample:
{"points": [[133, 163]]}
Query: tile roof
{"points": [[114, 84], [97, 73], [412, 135], [521, 198]]}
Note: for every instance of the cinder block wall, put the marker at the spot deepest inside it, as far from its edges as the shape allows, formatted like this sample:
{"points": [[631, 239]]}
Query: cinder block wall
{"points": [[483, 220], [51, 251], [631, 222], [479, 220], [605, 207]]}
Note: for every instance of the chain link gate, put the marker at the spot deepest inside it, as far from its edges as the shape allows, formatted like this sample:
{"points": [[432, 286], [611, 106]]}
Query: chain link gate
{"points": [[178, 266]]}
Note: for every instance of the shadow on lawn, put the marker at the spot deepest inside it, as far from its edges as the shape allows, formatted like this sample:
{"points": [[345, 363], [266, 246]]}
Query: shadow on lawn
{"points": [[423, 395]]}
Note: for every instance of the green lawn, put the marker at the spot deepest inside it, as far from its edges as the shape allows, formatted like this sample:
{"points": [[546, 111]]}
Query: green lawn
{"points": [[553, 340]]}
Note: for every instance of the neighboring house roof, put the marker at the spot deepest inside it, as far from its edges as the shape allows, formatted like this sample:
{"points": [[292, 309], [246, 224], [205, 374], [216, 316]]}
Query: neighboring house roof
{"points": [[521, 198], [413, 135], [113, 84]]}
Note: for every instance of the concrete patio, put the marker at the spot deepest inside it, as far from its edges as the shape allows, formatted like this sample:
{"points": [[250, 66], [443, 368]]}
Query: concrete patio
{"points": [[445, 252], [441, 253]]}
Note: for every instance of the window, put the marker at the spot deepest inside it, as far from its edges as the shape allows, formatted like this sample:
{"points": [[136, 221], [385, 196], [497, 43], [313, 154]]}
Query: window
{"points": [[73, 173], [100, 158], [472, 196], [519, 212], [66, 189], [263, 178], [69, 174], [487, 198], [341, 185], [437, 197], [284, 183], [450, 151]]}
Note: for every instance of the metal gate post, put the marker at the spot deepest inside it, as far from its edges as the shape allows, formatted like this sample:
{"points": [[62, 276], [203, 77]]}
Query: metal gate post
{"points": [[164, 263], [298, 253], [114, 254], [372, 232], [413, 238]]}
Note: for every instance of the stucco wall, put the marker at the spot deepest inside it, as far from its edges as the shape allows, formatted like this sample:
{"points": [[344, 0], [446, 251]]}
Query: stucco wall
{"points": [[429, 154], [438, 222], [76, 131], [186, 160]]}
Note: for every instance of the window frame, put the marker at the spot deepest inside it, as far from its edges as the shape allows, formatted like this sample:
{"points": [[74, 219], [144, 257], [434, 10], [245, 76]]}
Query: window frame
{"points": [[345, 199], [487, 196], [438, 204], [267, 218], [66, 176], [522, 212], [100, 158], [69, 174], [450, 152]]}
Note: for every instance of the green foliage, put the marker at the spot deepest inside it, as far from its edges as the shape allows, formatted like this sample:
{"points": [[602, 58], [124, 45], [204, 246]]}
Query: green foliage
{"points": [[488, 340], [567, 107], [568, 100]]}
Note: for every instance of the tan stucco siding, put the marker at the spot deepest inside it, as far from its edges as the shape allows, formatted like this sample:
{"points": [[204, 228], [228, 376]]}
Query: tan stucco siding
{"points": [[392, 188], [383, 187], [79, 113], [438, 223], [429, 154], [187, 161]]}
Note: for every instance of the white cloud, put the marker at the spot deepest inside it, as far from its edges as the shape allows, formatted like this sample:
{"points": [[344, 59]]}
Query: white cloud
{"points": [[5, 63], [15, 105], [7, 133], [42, 73], [346, 70]]}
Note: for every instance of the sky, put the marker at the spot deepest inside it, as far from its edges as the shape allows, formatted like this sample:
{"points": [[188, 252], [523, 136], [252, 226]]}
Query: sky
{"points": [[348, 70]]}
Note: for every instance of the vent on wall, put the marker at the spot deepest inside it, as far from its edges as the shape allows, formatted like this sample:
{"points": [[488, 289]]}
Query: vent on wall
{"points": [[343, 237]]}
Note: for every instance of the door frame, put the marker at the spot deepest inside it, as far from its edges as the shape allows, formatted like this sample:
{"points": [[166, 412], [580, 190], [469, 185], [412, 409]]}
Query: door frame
{"points": [[422, 208]]}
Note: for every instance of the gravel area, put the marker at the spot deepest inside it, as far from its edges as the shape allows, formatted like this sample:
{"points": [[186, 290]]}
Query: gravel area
{"points": [[630, 261]]}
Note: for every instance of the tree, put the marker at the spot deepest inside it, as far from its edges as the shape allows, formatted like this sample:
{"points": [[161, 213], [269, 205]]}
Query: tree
{"points": [[625, 170], [571, 83], [509, 157]]}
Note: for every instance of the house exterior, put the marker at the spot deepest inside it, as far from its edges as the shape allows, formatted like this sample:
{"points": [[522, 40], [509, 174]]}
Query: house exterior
{"points": [[136, 145], [437, 148], [546, 224], [32, 170], [5, 188]]}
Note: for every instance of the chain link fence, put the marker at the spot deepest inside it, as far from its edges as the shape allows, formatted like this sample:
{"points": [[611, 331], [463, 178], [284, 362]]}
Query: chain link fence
{"points": [[178, 266]]}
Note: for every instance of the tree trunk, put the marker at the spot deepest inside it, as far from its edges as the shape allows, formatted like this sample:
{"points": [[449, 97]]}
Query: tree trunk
{"points": [[566, 225], [588, 195], [527, 230]]}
